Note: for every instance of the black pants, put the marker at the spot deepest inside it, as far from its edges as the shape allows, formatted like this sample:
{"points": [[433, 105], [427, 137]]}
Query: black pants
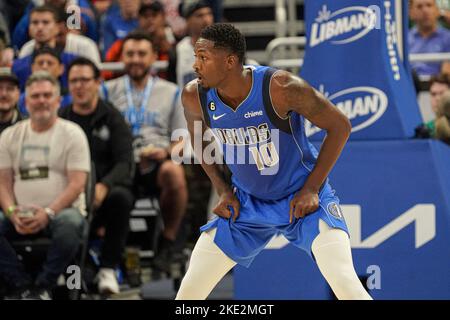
{"points": [[114, 215]]}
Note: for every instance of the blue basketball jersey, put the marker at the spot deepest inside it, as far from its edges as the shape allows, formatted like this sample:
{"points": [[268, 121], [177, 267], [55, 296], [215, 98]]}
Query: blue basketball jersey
{"points": [[269, 156]]}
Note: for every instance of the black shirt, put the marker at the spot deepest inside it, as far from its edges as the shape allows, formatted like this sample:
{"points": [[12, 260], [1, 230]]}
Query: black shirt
{"points": [[110, 143], [16, 117]]}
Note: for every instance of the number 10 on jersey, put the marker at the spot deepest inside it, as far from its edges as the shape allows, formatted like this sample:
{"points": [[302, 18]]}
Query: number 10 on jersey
{"points": [[265, 155]]}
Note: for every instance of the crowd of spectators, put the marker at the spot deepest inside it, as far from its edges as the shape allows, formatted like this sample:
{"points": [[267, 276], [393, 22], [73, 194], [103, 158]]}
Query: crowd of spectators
{"points": [[51, 53]]}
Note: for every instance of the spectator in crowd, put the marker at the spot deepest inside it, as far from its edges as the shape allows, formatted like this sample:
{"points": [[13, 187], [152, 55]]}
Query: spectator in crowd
{"points": [[198, 15], [151, 20], [88, 25], [43, 29], [438, 86], [44, 163], [152, 107], [427, 36], [47, 59], [443, 119], [110, 142], [9, 95], [69, 42], [119, 22]]}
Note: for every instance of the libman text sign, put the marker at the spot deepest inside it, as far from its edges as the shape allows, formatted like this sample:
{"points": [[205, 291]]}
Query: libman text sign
{"points": [[353, 57]]}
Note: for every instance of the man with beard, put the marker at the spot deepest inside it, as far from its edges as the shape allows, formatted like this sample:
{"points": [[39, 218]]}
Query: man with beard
{"points": [[152, 108], [44, 163], [9, 96], [152, 19]]}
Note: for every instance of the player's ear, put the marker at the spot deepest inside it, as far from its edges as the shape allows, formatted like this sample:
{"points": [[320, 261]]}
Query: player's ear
{"points": [[231, 61]]}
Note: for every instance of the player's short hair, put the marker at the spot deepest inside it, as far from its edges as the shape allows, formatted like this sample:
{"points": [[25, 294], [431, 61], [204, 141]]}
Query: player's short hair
{"points": [[226, 36], [82, 61], [139, 35]]}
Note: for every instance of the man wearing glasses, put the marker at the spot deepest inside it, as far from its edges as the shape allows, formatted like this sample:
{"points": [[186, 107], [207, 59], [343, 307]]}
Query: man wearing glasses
{"points": [[110, 143]]}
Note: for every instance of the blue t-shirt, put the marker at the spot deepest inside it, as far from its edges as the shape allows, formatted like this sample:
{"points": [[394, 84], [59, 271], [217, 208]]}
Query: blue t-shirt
{"points": [[439, 41], [20, 35], [115, 27], [269, 157], [22, 68]]}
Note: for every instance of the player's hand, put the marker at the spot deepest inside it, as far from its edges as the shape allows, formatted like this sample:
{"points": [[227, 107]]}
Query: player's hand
{"points": [[228, 204], [304, 202]]}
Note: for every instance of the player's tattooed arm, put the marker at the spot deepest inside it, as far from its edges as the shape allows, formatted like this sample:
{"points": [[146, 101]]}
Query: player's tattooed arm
{"points": [[292, 94], [193, 114]]}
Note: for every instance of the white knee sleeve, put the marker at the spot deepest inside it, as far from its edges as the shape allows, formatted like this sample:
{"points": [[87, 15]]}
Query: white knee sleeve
{"points": [[208, 264], [331, 249]]}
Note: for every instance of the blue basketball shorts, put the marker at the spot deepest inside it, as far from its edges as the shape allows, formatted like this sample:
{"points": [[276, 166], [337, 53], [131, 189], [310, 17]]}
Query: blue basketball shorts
{"points": [[260, 220]]}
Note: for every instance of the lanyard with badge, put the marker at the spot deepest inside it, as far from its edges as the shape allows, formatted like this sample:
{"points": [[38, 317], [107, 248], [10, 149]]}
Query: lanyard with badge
{"points": [[136, 116]]}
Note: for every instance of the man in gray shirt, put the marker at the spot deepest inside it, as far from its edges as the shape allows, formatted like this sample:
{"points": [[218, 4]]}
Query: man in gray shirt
{"points": [[44, 162], [152, 108]]}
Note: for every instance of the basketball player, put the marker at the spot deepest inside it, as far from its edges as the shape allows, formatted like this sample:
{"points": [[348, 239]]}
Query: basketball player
{"points": [[283, 187]]}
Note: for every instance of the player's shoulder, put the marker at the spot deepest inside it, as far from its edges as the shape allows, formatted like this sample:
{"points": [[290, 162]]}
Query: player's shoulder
{"points": [[284, 83], [190, 97], [190, 90], [282, 79]]}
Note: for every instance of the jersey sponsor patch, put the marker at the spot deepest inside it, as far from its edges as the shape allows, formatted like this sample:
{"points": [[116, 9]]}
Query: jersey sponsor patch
{"points": [[335, 210]]}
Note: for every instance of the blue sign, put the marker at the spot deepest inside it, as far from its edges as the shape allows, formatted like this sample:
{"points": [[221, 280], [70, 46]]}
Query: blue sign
{"points": [[395, 197], [353, 57]]}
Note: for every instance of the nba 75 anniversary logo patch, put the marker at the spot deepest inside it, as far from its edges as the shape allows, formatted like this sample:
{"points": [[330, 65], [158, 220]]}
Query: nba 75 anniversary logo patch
{"points": [[335, 210]]}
